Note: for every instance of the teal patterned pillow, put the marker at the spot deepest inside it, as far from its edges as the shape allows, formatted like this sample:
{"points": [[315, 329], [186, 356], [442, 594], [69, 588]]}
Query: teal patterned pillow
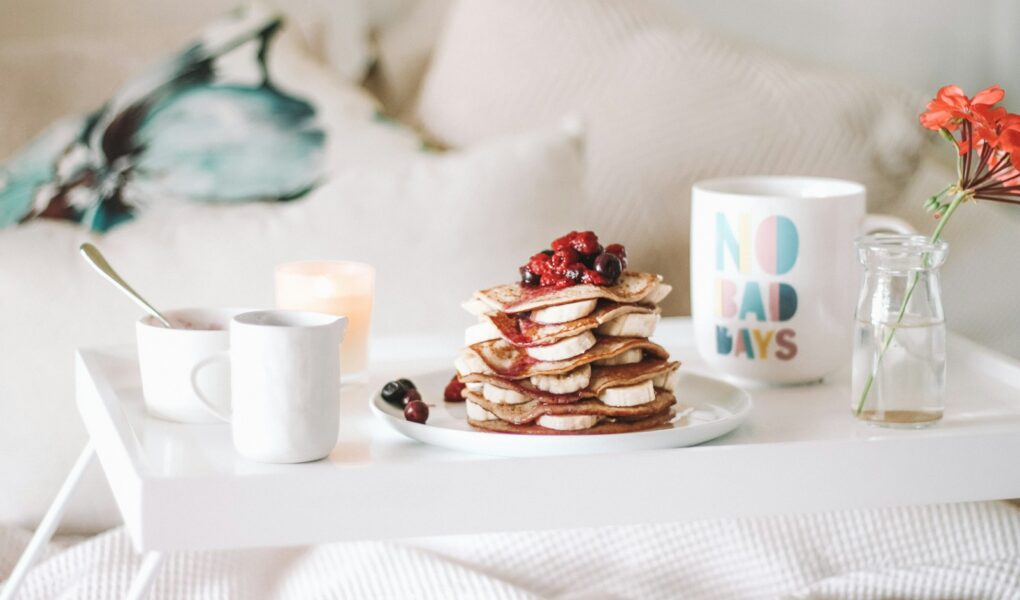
{"points": [[188, 128]]}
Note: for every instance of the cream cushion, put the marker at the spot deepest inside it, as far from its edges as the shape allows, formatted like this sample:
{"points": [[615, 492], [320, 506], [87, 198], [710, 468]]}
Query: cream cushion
{"points": [[665, 103], [402, 46], [60, 57]]}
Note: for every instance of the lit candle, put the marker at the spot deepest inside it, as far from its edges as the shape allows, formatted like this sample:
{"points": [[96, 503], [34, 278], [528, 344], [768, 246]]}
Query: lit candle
{"points": [[339, 288]]}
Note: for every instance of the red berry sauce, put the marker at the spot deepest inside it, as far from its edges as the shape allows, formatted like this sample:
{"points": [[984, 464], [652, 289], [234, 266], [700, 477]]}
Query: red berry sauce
{"points": [[570, 262]]}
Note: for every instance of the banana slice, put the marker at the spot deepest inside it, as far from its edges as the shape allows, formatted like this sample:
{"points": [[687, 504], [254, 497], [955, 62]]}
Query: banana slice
{"points": [[564, 312], [657, 294], [568, 383], [627, 358], [632, 325], [563, 349], [475, 307], [631, 395], [667, 381], [568, 422], [498, 395], [462, 365], [477, 413], [482, 331]]}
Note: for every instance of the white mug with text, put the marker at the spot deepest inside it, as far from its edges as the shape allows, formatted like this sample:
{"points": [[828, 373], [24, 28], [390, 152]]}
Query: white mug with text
{"points": [[773, 274]]}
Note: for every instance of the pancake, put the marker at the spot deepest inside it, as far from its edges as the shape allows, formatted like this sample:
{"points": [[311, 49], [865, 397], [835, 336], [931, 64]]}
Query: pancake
{"points": [[500, 357], [528, 412], [520, 330], [514, 298], [605, 427], [602, 377]]}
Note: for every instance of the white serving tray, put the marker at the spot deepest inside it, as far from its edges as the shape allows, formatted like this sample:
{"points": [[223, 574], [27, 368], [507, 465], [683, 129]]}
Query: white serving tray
{"points": [[182, 486]]}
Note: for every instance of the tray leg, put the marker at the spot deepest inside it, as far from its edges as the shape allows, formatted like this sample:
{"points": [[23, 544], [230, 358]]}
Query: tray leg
{"points": [[151, 563], [49, 523]]}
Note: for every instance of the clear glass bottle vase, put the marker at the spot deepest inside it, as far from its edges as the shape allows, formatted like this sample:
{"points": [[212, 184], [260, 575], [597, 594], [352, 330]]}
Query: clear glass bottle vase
{"points": [[899, 364]]}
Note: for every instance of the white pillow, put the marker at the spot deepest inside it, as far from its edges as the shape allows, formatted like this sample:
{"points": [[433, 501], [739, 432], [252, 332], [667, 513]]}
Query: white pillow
{"points": [[403, 44], [44, 80], [54, 63], [335, 33], [665, 104]]}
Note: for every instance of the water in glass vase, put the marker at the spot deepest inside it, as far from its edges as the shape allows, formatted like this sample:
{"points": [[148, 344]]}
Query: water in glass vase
{"points": [[908, 386]]}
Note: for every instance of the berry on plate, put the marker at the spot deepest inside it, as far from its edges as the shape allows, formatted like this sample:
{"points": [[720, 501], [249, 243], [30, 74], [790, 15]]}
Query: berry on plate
{"points": [[454, 390], [394, 393], [416, 411]]}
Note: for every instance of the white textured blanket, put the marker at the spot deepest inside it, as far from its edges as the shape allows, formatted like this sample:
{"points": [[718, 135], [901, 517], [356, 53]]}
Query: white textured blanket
{"points": [[953, 551]]}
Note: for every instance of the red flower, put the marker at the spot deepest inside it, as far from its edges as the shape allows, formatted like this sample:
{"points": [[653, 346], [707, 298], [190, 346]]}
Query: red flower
{"points": [[986, 122], [987, 139], [989, 96], [951, 106], [1008, 138], [1000, 168]]}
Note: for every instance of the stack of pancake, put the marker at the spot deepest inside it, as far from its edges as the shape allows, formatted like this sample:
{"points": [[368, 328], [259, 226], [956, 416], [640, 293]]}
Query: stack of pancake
{"points": [[575, 360]]}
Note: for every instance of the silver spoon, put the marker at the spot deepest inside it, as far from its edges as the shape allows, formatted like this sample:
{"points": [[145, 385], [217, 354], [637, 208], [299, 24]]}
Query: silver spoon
{"points": [[98, 261]]}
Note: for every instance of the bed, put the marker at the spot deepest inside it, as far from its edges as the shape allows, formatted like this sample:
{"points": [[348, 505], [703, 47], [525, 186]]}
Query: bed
{"points": [[394, 74]]}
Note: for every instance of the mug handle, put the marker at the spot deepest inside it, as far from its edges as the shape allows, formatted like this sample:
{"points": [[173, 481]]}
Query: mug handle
{"points": [[874, 223], [210, 406]]}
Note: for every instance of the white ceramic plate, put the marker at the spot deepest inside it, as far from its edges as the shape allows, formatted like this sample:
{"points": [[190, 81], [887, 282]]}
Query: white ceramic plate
{"points": [[714, 408]]}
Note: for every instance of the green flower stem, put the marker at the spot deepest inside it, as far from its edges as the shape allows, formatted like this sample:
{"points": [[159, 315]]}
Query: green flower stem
{"points": [[935, 236]]}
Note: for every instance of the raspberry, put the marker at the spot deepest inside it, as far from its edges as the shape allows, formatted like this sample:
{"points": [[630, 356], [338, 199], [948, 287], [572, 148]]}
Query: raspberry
{"points": [[592, 278], [563, 242], [564, 257], [587, 243], [538, 264]]}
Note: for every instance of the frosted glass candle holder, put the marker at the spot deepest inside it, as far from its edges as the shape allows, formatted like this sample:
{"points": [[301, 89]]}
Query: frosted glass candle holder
{"points": [[341, 288]]}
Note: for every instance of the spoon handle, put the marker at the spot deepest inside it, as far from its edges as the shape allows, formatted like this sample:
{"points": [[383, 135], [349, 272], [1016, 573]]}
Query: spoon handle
{"points": [[98, 261]]}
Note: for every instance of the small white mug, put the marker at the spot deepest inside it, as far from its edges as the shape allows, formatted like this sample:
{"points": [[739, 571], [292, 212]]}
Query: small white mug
{"points": [[773, 278], [166, 358], [284, 384]]}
